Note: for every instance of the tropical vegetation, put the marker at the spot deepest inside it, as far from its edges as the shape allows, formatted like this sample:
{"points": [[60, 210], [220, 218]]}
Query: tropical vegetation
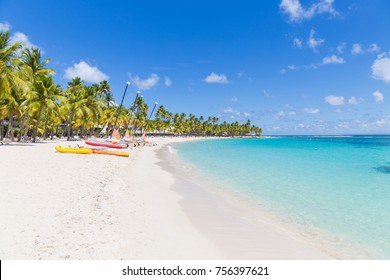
{"points": [[32, 105]]}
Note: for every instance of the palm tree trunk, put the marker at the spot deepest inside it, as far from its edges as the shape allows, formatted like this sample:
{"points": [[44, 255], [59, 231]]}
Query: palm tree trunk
{"points": [[10, 132], [69, 125], [22, 122], [52, 133], [45, 129], [35, 132], [2, 129]]}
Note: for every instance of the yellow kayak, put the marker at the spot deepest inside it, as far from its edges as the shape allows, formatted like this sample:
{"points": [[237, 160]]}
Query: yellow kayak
{"points": [[112, 153], [73, 150]]}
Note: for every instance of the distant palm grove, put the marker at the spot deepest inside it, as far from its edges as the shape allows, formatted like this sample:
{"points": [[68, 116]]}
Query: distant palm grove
{"points": [[32, 105]]}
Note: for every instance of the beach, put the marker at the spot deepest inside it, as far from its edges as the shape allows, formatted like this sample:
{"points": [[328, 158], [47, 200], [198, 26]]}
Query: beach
{"points": [[96, 207]]}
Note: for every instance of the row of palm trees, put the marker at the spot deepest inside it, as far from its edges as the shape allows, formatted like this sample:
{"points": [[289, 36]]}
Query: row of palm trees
{"points": [[32, 105]]}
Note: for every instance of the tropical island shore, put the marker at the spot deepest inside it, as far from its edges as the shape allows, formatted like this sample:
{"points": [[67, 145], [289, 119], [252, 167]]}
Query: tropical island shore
{"points": [[66, 206]]}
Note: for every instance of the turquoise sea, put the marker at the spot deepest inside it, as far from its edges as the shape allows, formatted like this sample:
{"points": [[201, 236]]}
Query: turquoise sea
{"points": [[336, 186]]}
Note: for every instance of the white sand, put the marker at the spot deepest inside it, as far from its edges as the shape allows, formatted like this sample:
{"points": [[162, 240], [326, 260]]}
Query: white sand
{"points": [[66, 206]]}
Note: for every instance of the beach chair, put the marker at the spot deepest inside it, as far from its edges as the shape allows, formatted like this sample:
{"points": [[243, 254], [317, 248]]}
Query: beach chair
{"points": [[5, 141]]}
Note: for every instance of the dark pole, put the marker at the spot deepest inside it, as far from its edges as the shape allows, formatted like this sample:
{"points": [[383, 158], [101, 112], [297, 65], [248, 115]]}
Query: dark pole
{"points": [[135, 101], [147, 122], [120, 106]]}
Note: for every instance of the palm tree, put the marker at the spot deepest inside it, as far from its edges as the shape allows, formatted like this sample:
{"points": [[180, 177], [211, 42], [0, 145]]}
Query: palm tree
{"points": [[45, 95], [74, 103], [11, 106], [9, 77], [38, 77], [10, 81], [104, 90]]}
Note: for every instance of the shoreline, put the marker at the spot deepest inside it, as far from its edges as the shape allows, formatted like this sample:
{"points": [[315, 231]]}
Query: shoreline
{"points": [[64, 206], [239, 228]]}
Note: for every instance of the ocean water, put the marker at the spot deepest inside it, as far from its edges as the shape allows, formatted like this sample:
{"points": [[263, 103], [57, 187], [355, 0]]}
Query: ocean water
{"points": [[335, 187]]}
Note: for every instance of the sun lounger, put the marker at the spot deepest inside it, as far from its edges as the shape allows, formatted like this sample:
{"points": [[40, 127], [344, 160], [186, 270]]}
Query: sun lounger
{"points": [[5, 141]]}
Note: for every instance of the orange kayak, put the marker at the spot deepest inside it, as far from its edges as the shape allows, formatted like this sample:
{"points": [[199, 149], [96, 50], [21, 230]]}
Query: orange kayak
{"points": [[112, 153]]}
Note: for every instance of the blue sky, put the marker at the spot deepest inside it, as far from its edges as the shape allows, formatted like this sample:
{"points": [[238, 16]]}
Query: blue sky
{"points": [[290, 66]]}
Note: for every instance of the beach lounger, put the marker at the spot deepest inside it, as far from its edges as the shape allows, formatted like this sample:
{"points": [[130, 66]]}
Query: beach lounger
{"points": [[5, 141]]}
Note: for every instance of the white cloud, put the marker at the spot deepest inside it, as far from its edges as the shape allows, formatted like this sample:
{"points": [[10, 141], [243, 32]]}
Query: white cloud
{"points": [[355, 101], [314, 43], [230, 110], [378, 96], [215, 78], [292, 113], [311, 110], [234, 99], [292, 67], [267, 94], [373, 48], [297, 13], [4, 26], [147, 83], [167, 81], [381, 68], [340, 48], [357, 49], [247, 114], [333, 60], [86, 72], [297, 43], [19, 37], [334, 100]]}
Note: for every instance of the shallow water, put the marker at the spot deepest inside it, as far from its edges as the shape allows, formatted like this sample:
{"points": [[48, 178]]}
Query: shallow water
{"points": [[338, 186]]}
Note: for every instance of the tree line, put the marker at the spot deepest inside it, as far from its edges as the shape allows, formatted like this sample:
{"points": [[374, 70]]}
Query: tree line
{"points": [[32, 105]]}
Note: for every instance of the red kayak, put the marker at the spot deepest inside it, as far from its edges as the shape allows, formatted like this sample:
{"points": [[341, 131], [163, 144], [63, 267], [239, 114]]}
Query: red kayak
{"points": [[105, 144]]}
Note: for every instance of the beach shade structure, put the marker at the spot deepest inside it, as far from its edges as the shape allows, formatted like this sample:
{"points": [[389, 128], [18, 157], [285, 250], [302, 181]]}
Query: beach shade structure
{"points": [[120, 106]]}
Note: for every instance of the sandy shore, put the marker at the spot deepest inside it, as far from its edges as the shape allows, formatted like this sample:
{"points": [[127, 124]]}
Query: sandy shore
{"points": [[66, 206]]}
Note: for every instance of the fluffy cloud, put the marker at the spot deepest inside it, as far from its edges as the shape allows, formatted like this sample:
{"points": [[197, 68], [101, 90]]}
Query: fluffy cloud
{"points": [[334, 100], [333, 60], [297, 43], [215, 78], [311, 110], [381, 68], [147, 83], [355, 101], [234, 99], [314, 43], [230, 110], [86, 72], [373, 48], [340, 48], [4, 26], [378, 96], [296, 12], [357, 49], [19, 37], [167, 81]]}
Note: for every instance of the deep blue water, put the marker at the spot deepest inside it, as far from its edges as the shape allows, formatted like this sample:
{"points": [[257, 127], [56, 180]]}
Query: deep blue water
{"points": [[338, 186]]}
